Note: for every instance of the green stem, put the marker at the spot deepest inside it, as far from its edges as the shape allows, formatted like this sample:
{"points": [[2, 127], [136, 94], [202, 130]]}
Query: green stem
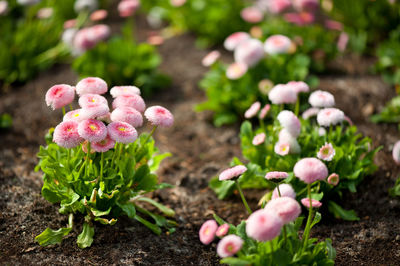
{"points": [[147, 139], [101, 166], [71, 220], [63, 110], [297, 106], [243, 198], [309, 219], [87, 159], [68, 158], [121, 147], [70, 107]]}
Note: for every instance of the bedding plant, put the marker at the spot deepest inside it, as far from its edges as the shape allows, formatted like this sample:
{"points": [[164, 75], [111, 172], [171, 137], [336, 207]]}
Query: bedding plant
{"points": [[95, 162]]}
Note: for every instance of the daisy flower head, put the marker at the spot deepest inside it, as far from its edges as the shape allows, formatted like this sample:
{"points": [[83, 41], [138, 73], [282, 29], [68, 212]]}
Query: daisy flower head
{"points": [[326, 152], [253, 110], [59, 96], [104, 145], [207, 231], [281, 94], [321, 99], [133, 100], [290, 122], [211, 58], [236, 71], [287, 208], [252, 14], [233, 40], [310, 170], [122, 132], [232, 172], [277, 44], [91, 85], [310, 112], [282, 148], [299, 86], [333, 179], [159, 116], [286, 190], [263, 225], [127, 8], [222, 230], [76, 115], [98, 15], [229, 246], [278, 6], [92, 130], [91, 100], [330, 116], [124, 90], [314, 203], [128, 115], [249, 52], [66, 134], [95, 111], [276, 175], [258, 139], [264, 111], [286, 137]]}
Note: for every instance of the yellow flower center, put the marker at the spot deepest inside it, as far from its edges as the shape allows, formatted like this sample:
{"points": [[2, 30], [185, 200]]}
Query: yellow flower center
{"points": [[93, 127], [121, 129]]}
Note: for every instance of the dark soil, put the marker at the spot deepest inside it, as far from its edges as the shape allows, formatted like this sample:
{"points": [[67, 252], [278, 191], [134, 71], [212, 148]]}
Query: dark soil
{"points": [[199, 151]]}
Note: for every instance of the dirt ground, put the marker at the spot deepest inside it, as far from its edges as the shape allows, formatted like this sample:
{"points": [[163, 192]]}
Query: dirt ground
{"points": [[200, 151]]}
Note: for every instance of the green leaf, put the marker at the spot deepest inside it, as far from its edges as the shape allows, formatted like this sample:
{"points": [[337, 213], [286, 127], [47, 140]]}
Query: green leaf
{"points": [[50, 237], [164, 209], [223, 189], [330, 249], [105, 221], [316, 220], [235, 261], [395, 191], [339, 212], [151, 226], [85, 239], [128, 209]]}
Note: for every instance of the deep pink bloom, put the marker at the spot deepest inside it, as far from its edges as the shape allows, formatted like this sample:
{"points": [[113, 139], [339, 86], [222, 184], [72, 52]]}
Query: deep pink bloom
{"points": [[232, 172], [128, 115], [92, 130], [252, 14], [326, 152], [122, 132], [276, 175], [310, 170], [91, 85], [281, 94], [95, 111], [76, 115], [396, 152], [222, 230], [236, 71], [98, 15], [210, 58], [229, 246], [124, 90], [321, 99], [233, 40], [282, 148], [159, 116], [249, 52], [287, 208], [263, 225], [66, 134], [207, 231], [299, 86], [277, 44], [59, 96], [314, 203], [259, 139], [343, 41], [278, 6], [330, 116], [127, 8], [253, 110], [91, 100], [264, 111], [333, 179], [290, 122], [104, 145], [286, 191], [310, 112], [132, 100]]}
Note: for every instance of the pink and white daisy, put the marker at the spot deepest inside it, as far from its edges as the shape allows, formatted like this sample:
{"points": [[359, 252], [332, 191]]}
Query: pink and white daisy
{"points": [[276, 175], [232, 172], [277, 44], [396, 152], [211, 58], [264, 111], [265, 85], [290, 122], [132, 100], [330, 116], [321, 99], [66, 134], [68, 24], [310, 170], [236, 71], [91, 85], [286, 190], [326, 152], [278, 6], [249, 52], [342, 41], [95, 111], [281, 94], [98, 15], [299, 86], [252, 14], [333, 25], [222, 230], [287, 208], [3, 7], [128, 115], [263, 225], [104, 145], [76, 115], [321, 131], [258, 139], [122, 132], [286, 137], [282, 148], [310, 112], [310, 5], [229, 246], [91, 100], [159, 116], [124, 90], [300, 19], [233, 40], [92, 130], [253, 110], [207, 231], [333, 179], [127, 8], [315, 203], [59, 96]]}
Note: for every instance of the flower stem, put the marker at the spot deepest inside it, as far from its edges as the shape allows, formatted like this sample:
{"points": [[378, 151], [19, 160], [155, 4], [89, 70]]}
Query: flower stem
{"points": [[284, 226], [243, 198], [101, 166], [147, 139], [309, 219], [68, 158], [63, 110], [297, 107]]}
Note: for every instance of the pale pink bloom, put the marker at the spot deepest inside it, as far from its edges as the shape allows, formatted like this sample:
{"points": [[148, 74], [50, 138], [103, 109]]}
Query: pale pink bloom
{"points": [[91, 85], [282, 148], [100, 32], [249, 52], [3, 7], [333, 179], [71, 23], [333, 25], [258, 139], [222, 230], [76, 115], [310, 5], [290, 122], [310, 170], [326, 152], [299, 86], [159, 116], [342, 41], [68, 36], [127, 8], [177, 3], [124, 90], [264, 111], [315, 203], [263, 225], [253, 110], [310, 112], [122, 132], [104, 145], [300, 19], [66, 134], [155, 39], [233, 40], [85, 147], [128, 115], [59, 96], [278, 6], [95, 111], [396, 152], [236, 71], [232, 172], [286, 137], [207, 231], [87, 38], [210, 58], [265, 85], [45, 12], [92, 130], [252, 14], [286, 191], [287, 208], [321, 131], [98, 15], [131, 100], [281, 94], [321, 99], [277, 44], [276, 175], [229, 246], [330, 116], [91, 100]]}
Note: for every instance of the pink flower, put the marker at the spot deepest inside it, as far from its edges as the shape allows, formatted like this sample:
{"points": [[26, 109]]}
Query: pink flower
{"points": [[310, 170], [330, 116], [124, 90], [122, 132], [132, 100], [252, 14], [91, 85], [105, 118], [229, 246], [290, 122], [71, 23], [333, 25], [207, 231], [222, 230], [236, 71], [100, 32], [277, 44], [265, 85], [66, 134], [68, 36], [281, 94], [177, 3], [95, 111], [253, 110], [286, 137], [104, 145], [314, 203], [288, 209], [233, 40], [232, 172], [276, 175], [333, 179], [299, 86], [87, 38], [264, 111], [278, 6], [326, 152], [159, 116], [286, 191], [396, 152], [92, 130], [3, 7], [45, 12], [59, 96], [76, 115], [126, 8], [342, 41], [98, 15], [321, 131], [321, 99], [91, 100], [249, 52], [300, 19], [155, 39], [310, 112], [282, 148], [258, 139], [263, 225], [311, 5], [128, 115], [210, 58]]}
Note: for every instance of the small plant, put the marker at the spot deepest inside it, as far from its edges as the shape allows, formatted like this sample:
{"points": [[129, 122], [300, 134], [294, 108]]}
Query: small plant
{"points": [[95, 162]]}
